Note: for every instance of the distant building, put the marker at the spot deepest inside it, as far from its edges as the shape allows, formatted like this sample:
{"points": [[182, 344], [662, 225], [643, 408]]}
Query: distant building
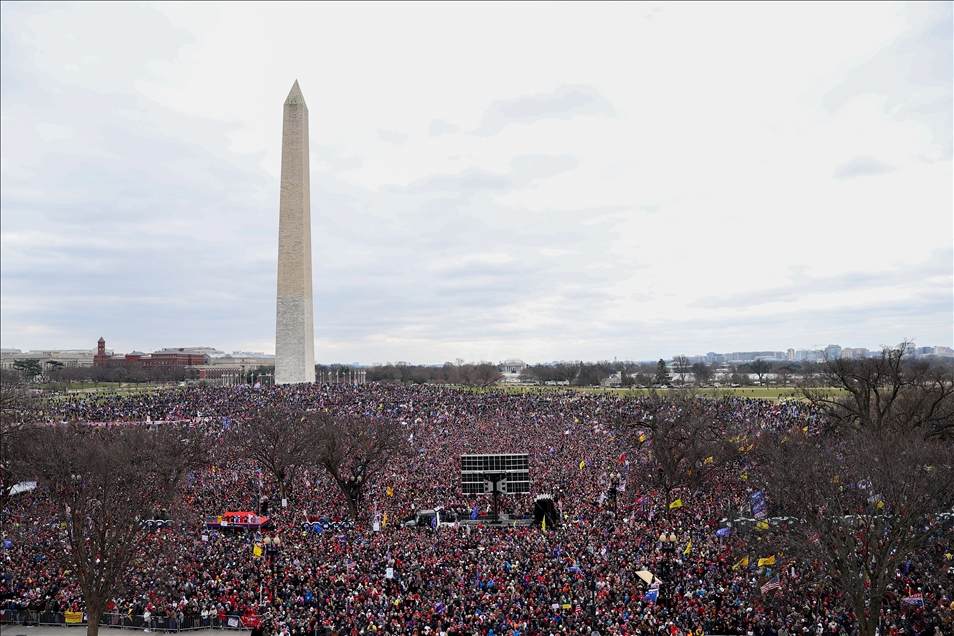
{"points": [[70, 358], [809, 355], [714, 358], [162, 359], [833, 352], [751, 356], [615, 379], [237, 363], [511, 369], [855, 353]]}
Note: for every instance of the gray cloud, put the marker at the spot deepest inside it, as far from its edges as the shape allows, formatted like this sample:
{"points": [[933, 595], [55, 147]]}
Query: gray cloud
{"points": [[392, 137], [938, 266], [441, 127], [464, 184], [915, 73], [528, 168], [565, 102], [862, 167], [125, 224]]}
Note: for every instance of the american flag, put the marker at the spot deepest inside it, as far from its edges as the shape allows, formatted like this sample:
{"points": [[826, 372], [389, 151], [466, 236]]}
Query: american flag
{"points": [[914, 599], [770, 585]]}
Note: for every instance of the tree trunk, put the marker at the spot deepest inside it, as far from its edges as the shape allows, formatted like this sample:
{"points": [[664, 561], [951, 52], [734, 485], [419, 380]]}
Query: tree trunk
{"points": [[352, 506], [93, 617]]}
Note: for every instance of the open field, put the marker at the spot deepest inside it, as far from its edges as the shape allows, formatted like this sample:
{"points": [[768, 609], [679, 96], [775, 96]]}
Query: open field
{"points": [[760, 392]]}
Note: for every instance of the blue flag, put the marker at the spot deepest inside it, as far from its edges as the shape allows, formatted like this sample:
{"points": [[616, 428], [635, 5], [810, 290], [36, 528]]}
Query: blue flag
{"points": [[651, 596], [723, 532], [474, 513]]}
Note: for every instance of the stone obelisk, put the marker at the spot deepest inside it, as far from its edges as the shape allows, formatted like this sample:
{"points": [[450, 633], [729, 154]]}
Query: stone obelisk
{"points": [[295, 332]]}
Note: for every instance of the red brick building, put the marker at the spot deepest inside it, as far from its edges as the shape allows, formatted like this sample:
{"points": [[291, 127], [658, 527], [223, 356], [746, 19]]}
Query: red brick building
{"points": [[165, 359]]}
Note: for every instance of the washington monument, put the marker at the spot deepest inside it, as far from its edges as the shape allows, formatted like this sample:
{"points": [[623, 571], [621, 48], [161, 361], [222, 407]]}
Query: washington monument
{"points": [[295, 331]]}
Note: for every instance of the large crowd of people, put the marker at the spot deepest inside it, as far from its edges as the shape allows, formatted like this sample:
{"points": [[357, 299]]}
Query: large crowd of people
{"points": [[584, 575]]}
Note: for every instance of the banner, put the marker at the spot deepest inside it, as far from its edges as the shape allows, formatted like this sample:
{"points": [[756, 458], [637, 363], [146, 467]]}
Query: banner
{"points": [[73, 618], [758, 504], [914, 599]]}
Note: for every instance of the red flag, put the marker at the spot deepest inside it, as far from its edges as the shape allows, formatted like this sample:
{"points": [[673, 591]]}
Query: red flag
{"points": [[622, 458]]}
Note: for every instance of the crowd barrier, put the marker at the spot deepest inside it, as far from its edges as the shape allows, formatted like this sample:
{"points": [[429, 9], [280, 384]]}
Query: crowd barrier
{"points": [[130, 621]]}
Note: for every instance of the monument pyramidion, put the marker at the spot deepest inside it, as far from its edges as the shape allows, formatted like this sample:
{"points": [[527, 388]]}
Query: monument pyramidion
{"points": [[295, 329]]}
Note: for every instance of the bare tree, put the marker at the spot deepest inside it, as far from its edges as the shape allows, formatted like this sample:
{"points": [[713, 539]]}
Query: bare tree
{"points": [[702, 373], [487, 374], [566, 371], [686, 439], [353, 450], [682, 366], [103, 482], [18, 409], [760, 367], [854, 507], [885, 393], [277, 438]]}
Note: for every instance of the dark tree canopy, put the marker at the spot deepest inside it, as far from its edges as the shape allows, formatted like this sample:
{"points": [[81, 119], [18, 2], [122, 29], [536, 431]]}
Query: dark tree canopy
{"points": [[888, 393], [860, 504], [354, 450], [864, 490], [683, 440], [277, 438], [103, 482]]}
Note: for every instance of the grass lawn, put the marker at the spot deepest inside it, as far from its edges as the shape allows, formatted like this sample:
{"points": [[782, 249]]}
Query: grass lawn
{"points": [[760, 392]]}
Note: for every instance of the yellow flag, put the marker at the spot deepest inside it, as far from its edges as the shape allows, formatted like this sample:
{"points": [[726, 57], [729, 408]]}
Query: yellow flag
{"points": [[257, 551], [390, 492], [744, 475], [676, 504], [767, 561], [582, 464], [762, 525], [543, 526], [688, 548], [708, 460], [642, 438], [741, 563], [384, 521]]}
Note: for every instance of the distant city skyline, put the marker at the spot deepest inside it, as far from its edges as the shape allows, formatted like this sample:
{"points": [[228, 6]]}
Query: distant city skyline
{"points": [[831, 351], [487, 182]]}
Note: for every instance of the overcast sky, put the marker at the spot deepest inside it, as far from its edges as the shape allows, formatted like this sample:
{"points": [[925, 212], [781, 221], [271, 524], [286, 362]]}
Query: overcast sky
{"points": [[563, 181]]}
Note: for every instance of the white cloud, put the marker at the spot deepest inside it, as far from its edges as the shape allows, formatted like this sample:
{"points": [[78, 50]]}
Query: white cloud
{"points": [[53, 132], [635, 186]]}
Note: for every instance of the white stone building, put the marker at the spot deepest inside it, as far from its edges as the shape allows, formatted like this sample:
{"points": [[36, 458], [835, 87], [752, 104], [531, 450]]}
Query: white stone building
{"points": [[511, 369]]}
